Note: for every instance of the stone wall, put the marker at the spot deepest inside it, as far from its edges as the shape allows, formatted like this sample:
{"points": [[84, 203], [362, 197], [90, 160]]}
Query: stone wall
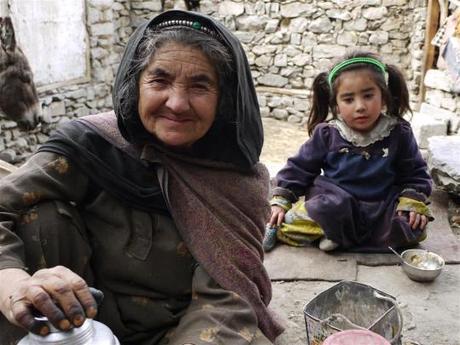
{"points": [[108, 26], [287, 44]]}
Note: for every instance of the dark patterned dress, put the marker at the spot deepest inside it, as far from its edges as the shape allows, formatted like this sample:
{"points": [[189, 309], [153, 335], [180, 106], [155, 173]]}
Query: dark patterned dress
{"points": [[353, 185], [155, 292]]}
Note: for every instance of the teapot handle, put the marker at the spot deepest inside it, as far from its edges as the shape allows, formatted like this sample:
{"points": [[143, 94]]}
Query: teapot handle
{"points": [[338, 316]]}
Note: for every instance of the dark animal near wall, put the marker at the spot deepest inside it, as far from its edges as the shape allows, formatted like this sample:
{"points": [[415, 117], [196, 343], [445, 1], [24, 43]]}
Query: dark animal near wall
{"points": [[191, 5], [18, 95]]}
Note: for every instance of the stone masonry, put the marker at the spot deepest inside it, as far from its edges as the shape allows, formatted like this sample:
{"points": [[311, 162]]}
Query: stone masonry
{"points": [[287, 43]]}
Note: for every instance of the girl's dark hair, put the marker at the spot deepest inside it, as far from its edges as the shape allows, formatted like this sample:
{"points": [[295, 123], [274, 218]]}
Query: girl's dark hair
{"points": [[395, 93], [217, 53]]}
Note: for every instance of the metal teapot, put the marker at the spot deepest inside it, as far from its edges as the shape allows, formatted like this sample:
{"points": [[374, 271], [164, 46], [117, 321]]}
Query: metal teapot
{"points": [[90, 333]]}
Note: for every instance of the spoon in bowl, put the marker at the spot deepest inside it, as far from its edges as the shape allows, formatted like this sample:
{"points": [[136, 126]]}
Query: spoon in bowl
{"points": [[396, 253]]}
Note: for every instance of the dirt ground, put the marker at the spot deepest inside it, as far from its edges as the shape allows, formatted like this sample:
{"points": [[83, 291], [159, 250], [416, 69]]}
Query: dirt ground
{"points": [[282, 140]]}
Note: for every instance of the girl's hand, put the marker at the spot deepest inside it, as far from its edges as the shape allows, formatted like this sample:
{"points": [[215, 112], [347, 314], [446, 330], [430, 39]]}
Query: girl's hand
{"points": [[415, 220], [277, 216], [57, 293]]}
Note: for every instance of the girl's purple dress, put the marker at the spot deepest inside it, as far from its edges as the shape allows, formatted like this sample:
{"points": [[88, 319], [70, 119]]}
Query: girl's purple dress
{"points": [[352, 191]]}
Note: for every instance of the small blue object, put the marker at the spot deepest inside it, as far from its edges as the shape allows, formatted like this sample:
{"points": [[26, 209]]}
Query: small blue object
{"points": [[196, 25], [269, 241]]}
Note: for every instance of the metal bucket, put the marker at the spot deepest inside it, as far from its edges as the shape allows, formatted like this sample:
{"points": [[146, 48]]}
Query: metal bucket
{"points": [[352, 305]]}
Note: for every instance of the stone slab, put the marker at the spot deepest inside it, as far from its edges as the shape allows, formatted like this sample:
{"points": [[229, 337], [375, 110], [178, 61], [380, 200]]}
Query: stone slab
{"points": [[426, 126], [438, 79], [289, 263], [308, 263], [443, 153], [430, 310]]}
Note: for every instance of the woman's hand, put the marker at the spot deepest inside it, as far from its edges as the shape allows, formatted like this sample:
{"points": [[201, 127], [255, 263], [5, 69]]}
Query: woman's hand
{"points": [[57, 293], [415, 219], [277, 216]]}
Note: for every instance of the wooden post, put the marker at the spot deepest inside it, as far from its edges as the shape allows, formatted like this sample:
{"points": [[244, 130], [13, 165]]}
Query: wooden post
{"points": [[6, 168], [432, 25]]}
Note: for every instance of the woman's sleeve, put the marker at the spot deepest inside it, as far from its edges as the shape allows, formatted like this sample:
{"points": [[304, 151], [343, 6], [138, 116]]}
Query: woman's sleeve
{"points": [[216, 316], [45, 176], [300, 170], [412, 170]]}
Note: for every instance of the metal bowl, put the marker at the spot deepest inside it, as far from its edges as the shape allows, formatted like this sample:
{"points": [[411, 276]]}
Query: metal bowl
{"points": [[421, 265]]}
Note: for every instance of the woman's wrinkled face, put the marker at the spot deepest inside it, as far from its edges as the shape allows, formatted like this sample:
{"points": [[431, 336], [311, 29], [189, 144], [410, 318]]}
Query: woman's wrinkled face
{"points": [[178, 95], [359, 100]]}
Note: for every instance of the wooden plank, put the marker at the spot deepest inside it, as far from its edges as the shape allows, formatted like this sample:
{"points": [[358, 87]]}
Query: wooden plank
{"points": [[6, 168], [432, 25]]}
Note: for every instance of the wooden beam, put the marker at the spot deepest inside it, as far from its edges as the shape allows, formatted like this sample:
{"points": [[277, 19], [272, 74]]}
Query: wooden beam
{"points": [[6, 168], [432, 25]]}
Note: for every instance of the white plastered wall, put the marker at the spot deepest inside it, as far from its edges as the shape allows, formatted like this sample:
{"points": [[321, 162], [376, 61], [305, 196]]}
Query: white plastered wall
{"points": [[3, 8], [53, 37]]}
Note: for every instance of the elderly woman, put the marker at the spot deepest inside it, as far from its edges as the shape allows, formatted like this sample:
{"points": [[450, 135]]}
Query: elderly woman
{"points": [[161, 205]]}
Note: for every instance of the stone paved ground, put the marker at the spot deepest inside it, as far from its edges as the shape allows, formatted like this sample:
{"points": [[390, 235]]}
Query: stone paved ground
{"points": [[430, 310]]}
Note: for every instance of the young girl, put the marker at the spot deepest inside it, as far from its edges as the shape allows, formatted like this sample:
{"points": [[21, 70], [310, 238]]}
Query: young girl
{"points": [[364, 180]]}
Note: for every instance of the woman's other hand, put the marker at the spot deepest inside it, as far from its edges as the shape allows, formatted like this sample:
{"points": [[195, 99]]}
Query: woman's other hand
{"points": [[277, 216], [57, 293], [415, 220]]}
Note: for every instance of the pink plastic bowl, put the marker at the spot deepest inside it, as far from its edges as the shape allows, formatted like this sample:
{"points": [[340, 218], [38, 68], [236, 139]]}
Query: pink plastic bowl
{"points": [[356, 337]]}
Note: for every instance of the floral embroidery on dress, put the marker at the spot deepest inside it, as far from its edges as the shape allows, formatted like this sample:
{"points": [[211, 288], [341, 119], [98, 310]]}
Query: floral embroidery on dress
{"points": [[140, 300], [30, 198], [246, 334], [29, 217], [207, 306], [366, 155], [61, 165], [209, 335], [385, 152], [194, 295]]}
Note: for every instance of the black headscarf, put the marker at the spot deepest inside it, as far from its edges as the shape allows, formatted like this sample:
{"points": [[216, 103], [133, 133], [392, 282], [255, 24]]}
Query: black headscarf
{"points": [[242, 140], [115, 165]]}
